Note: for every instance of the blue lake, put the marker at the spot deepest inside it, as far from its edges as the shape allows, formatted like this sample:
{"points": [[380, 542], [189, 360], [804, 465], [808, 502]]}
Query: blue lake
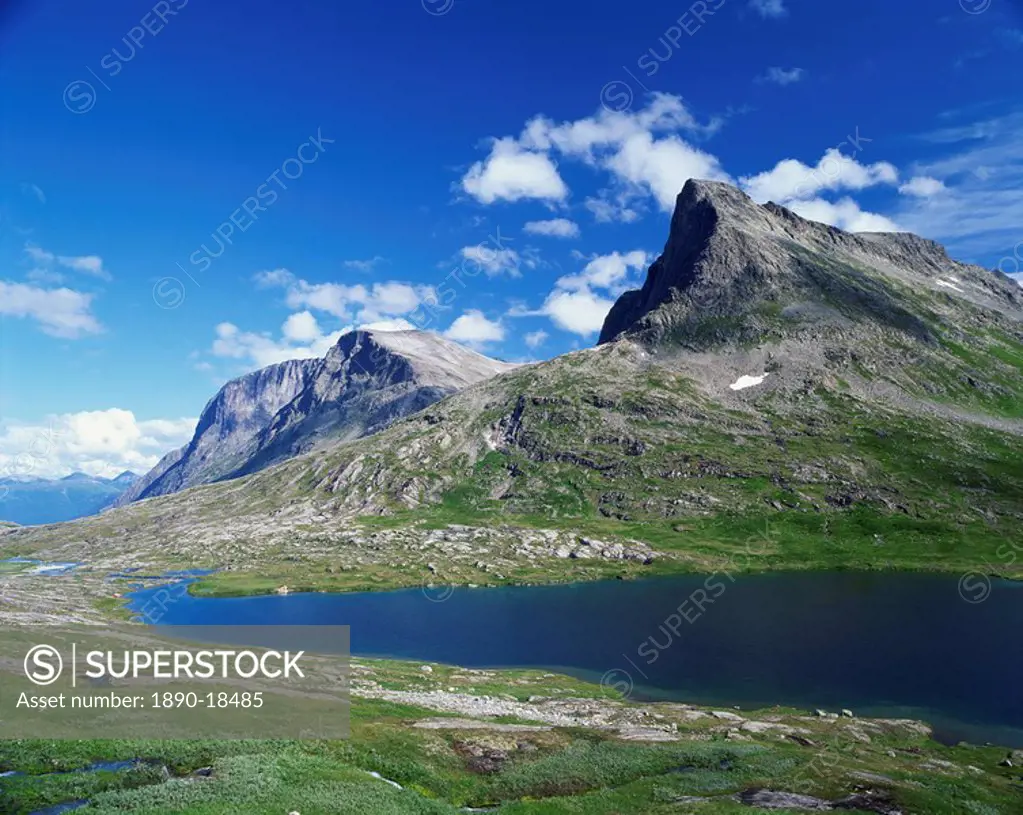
{"points": [[882, 644]]}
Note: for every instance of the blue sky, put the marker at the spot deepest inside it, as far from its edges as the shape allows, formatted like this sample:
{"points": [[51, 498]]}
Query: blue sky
{"points": [[512, 164]]}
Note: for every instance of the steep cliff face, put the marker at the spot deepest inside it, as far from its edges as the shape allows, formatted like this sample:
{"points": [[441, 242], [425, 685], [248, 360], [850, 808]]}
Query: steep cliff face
{"points": [[365, 382], [227, 428]]}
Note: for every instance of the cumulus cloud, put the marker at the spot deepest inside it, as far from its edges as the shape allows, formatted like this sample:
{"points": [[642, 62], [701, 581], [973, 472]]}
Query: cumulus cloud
{"points": [[790, 179], [608, 272], [98, 442], [301, 327], [554, 228], [380, 306], [642, 151], [580, 302], [799, 187], [474, 329], [661, 167], [845, 214], [357, 303], [579, 312], [301, 338], [922, 187], [769, 8], [59, 312], [781, 76], [511, 173], [389, 325]]}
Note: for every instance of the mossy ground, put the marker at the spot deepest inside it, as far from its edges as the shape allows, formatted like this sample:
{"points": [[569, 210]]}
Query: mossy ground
{"points": [[565, 770]]}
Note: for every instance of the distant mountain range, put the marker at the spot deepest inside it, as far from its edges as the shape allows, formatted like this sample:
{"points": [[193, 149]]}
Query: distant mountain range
{"points": [[29, 501], [366, 381]]}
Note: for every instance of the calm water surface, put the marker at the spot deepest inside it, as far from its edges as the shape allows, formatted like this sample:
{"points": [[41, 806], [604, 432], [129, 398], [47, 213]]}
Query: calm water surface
{"points": [[880, 644]]}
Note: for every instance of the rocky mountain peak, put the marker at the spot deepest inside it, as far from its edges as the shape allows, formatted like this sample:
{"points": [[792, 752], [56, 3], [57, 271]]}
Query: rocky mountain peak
{"points": [[730, 267], [367, 380]]}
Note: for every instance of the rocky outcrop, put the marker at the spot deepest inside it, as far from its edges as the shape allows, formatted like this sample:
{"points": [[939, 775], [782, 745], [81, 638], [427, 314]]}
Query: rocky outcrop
{"points": [[366, 381]]}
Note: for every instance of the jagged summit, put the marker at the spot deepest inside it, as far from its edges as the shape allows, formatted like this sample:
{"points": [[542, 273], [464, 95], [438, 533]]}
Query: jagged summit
{"points": [[729, 264], [368, 379]]}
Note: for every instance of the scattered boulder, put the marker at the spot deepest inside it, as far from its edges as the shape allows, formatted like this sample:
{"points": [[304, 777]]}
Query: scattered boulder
{"points": [[870, 801], [770, 799]]}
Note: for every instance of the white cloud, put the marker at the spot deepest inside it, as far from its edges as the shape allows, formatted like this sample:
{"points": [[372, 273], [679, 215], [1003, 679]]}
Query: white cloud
{"points": [[511, 173], [580, 302], [379, 307], [60, 312], [87, 264], [769, 8], [367, 265], [301, 327], [274, 277], [358, 303], [1018, 277], [555, 228], [782, 76], [534, 339], [580, 312], [922, 187], [493, 261], [257, 350], [844, 214], [609, 272], [388, 325], [98, 442], [473, 328], [591, 137], [661, 167], [641, 150], [791, 179]]}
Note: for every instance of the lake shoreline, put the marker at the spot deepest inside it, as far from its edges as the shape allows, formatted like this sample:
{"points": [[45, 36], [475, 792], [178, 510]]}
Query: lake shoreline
{"points": [[804, 639], [224, 584]]}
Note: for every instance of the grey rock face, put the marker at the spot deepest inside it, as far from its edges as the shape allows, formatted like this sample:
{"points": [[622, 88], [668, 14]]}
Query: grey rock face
{"points": [[227, 427], [729, 262], [365, 382]]}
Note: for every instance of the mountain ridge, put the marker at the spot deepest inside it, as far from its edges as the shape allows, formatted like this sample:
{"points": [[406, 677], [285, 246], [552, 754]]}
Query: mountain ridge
{"points": [[31, 500], [830, 393], [725, 252]]}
